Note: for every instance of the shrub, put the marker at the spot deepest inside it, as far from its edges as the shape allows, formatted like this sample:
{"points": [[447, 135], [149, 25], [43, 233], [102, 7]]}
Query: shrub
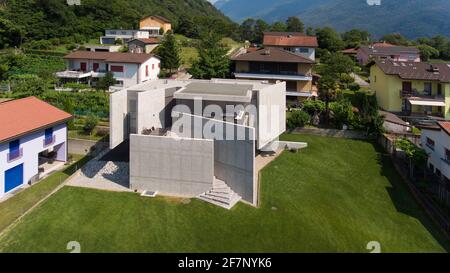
{"points": [[71, 46], [314, 106], [342, 113], [298, 118], [354, 86], [90, 123]]}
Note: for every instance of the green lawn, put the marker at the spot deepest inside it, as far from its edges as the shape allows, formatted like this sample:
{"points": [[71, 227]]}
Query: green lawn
{"points": [[335, 196], [15, 206]]}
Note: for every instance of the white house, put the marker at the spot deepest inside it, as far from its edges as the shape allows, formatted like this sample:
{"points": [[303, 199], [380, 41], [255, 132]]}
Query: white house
{"points": [[436, 142], [33, 142], [111, 35], [129, 69]]}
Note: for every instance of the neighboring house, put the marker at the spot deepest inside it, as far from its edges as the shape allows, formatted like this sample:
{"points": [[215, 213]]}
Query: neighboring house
{"points": [[394, 124], [285, 57], [387, 51], [412, 88], [184, 141], [112, 35], [295, 42], [143, 45], [436, 142], [33, 142], [128, 68], [155, 25], [103, 48], [275, 64]]}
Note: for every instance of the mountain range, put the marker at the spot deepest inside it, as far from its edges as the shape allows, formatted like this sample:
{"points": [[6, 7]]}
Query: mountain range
{"points": [[412, 18]]}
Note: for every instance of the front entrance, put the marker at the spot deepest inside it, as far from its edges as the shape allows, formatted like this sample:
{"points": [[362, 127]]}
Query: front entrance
{"points": [[13, 178]]}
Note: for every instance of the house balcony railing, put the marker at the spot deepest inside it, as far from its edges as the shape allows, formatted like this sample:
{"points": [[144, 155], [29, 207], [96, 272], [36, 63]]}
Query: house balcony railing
{"points": [[49, 140], [278, 75], [14, 155], [404, 94]]}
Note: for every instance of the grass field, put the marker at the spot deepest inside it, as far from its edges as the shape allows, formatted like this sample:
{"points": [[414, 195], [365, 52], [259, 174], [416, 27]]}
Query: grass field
{"points": [[335, 196], [15, 206]]}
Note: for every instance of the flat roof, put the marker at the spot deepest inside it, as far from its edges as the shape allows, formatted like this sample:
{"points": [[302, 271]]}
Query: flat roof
{"points": [[22, 116], [216, 91]]}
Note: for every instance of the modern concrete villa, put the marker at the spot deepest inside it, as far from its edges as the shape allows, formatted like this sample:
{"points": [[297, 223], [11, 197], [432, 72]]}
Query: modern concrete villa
{"points": [[198, 138]]}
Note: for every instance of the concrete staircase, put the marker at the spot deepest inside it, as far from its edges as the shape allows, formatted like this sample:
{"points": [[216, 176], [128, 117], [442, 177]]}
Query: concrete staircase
{"points": [[220, 195]]}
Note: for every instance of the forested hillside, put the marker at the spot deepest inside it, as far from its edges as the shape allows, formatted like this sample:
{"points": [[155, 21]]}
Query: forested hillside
{"points": [[44, 19], [412, 18]]}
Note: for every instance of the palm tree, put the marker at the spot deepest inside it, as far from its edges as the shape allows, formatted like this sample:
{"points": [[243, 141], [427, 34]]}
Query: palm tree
{"points": [[328, 87]]}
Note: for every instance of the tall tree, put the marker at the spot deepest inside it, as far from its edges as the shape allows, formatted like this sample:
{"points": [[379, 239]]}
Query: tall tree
{"points": [[10, 34], [355, 38], [278, 27], [329, 39], [294, 24], [427, 52], [213, 61], [396, 39], [260, 27], [187, 27], [328, 88], [169, 52]]}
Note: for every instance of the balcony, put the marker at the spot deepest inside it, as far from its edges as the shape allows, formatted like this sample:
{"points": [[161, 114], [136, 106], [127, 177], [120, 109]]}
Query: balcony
{"points": [[49, 140], [269, 75], [14, 155], [73, 74], [404, 94]]}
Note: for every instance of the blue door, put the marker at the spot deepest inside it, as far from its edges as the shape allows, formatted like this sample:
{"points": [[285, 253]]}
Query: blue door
{"points": [[13, 178]]}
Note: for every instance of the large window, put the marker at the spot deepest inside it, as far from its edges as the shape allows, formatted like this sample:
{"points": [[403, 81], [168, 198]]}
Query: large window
{"points": [[49, 137], [15, 152]]}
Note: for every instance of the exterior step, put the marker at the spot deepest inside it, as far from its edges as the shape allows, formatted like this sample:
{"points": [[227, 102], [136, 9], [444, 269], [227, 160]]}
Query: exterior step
{"points": [[220, 195]]}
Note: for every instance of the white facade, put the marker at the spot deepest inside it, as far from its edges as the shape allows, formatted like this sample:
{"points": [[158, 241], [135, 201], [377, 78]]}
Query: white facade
{"points": [[307, 52], [437, 154], [133, 73], [127, 34], [30, 146]]}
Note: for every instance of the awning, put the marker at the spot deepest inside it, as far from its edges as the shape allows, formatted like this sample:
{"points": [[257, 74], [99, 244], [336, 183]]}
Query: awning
{"points": [[427, 102]]}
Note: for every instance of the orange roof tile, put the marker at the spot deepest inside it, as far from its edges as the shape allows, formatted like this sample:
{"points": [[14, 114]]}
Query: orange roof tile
{"points": [[22, 116], [445, 125], [289, 39]]}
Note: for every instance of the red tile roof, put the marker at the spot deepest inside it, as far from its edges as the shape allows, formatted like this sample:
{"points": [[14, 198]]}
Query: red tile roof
{"points": [[289, 39], [113, 57], [22, 116], [445, 125]]}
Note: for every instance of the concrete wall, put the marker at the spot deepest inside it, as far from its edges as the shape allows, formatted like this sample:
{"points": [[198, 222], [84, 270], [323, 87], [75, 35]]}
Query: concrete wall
{"points": [[171, 166], [118, 118], [271, 113], [83, 146], [150, 109], [31, 146], [234, 157]]}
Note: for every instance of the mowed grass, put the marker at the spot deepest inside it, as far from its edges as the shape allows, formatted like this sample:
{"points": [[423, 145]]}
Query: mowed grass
{"points": [[335, 196], [15, 206]]}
